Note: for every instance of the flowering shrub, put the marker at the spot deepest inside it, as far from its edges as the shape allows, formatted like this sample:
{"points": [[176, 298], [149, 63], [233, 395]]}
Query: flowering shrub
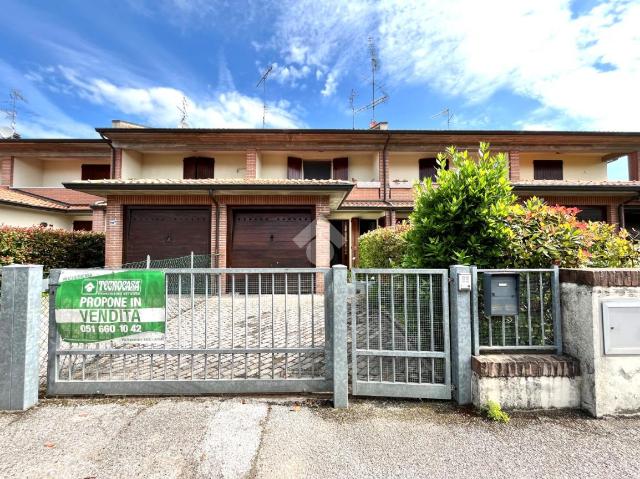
{"points": [[383, 247], [50, 247], [543, 235]]}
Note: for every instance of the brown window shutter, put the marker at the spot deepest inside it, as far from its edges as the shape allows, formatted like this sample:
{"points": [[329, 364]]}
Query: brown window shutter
{"points": [[294, 168], [189, 171], [205, 168], [547, 170], [341, 169], [95, 172], [428, 167]]}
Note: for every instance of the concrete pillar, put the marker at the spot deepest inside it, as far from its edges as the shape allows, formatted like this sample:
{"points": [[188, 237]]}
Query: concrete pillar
{"points": [[460, 319], [339, 363], [20, 333]]}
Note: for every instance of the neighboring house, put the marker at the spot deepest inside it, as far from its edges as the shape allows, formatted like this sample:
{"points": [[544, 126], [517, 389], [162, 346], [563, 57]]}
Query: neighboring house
{"points": [[287, 198], [31, 177]]}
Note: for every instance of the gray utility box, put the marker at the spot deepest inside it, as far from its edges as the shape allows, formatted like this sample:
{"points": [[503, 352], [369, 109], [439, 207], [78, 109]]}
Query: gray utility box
{"points": [[501, 296], [621, 325]]}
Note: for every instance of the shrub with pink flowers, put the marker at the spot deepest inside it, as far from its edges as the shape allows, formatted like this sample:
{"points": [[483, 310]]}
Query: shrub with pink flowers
{"points": [[543, 235]]}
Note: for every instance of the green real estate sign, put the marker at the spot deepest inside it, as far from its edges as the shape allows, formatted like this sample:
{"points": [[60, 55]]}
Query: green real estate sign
{"points": [[128, 306]]}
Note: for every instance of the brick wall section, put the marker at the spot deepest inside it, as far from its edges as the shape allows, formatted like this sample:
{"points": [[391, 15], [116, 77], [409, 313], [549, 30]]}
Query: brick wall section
{"points": [[525, 365], [634, 165], [6, 171], [117, 163], [401, 194], [514, 165], [250, 167], [364, 194], [98, 220], [604, 277]]}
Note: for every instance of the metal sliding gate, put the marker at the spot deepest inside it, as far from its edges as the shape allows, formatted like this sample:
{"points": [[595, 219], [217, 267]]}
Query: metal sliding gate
{"points": [[226, 331], [400, 333]]}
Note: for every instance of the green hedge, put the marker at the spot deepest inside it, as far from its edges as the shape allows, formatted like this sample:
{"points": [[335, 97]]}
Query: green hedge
{"points": [[52, 248], [383, 247]]}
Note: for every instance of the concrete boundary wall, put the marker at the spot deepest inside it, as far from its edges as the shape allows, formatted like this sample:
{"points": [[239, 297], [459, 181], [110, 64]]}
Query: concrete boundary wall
{"points": [[611, 384]]}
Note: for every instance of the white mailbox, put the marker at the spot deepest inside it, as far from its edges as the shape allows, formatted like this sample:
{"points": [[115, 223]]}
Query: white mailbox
{"points": [[621, 325]]}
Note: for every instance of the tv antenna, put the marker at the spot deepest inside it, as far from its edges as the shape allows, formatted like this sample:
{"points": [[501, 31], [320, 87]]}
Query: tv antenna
{"points": [[12, 111], [446, 113], [263, 82], [352, 98], [183, 109], [375, 63]]}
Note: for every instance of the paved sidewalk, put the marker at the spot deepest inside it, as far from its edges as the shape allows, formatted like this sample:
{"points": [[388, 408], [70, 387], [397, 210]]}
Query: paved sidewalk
{"points": [[280, 438]]}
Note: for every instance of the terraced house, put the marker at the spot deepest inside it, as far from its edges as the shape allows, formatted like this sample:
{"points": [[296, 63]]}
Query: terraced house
{"points": [[282, 198]]}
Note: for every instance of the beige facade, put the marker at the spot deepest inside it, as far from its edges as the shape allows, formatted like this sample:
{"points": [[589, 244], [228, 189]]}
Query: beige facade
{"points": [[50, 173], [575, 166], [363, 166], [16, 216]]}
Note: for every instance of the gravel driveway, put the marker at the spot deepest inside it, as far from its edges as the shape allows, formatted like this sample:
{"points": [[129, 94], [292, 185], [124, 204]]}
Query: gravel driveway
{"points": [[282, 438]]}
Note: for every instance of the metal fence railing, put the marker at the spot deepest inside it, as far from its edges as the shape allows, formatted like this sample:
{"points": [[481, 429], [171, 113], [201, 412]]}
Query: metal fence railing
{"points": [[226, 330], [535, 328]]}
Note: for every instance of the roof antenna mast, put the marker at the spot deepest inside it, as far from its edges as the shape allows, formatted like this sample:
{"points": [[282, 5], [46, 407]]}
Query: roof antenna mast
{"points": [[184, 119], [446, 113], [352, 98], [373, 54], [12, 111], [263, 82]]}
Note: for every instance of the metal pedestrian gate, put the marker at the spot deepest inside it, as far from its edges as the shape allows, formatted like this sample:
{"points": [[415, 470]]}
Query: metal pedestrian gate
{"points": [[225, 331], [400, 333]]}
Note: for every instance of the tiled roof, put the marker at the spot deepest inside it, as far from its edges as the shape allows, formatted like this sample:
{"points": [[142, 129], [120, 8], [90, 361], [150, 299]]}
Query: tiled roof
{"points": [[375, 204], [63, 195], [577, 183], [214, 182], [21, 198]]}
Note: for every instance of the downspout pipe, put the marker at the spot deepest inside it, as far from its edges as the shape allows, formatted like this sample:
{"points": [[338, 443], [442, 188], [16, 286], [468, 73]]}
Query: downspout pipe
{"points": [[217, 204], [113, 155]]}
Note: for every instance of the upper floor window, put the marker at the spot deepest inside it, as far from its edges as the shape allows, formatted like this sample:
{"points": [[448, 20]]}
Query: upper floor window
{"points": [[547, 169], [337, 169], [95, 172], [428, 168], [198, 168]]}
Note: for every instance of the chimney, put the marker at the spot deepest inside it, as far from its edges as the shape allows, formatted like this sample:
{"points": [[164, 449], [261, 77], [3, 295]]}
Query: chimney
{"points": [[379, 125], [125, 124]]}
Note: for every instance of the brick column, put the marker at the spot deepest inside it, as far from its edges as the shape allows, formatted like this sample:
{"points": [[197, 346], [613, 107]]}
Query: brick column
{"points": [[117, 164], [383, 174], [322, 242], [6, 171], [114, 234], [390, 218], [514, 165], [98, 219], [634, 166], [251, 164]]}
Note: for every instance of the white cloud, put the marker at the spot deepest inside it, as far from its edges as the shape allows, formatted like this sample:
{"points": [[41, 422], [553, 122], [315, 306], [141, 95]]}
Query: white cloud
{"points": [[579, 66], [158, 106], [330, 84]]}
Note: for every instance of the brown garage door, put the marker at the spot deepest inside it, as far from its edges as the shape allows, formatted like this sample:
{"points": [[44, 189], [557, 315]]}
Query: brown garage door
{"points": [[166, 232], [264, 238]]}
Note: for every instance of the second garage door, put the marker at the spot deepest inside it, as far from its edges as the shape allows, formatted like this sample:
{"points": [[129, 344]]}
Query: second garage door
{"points": [[265, 238]]}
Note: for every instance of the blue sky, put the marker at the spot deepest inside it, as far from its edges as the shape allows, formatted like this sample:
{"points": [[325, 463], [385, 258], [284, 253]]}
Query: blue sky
{"points": [[497, 64]]}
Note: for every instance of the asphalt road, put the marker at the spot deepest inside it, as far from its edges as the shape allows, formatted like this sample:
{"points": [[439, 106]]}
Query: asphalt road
{"points": [[281, 438]]}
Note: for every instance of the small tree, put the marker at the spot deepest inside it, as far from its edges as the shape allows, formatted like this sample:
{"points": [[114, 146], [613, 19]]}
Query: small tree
{"points": [[462, 217]]}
